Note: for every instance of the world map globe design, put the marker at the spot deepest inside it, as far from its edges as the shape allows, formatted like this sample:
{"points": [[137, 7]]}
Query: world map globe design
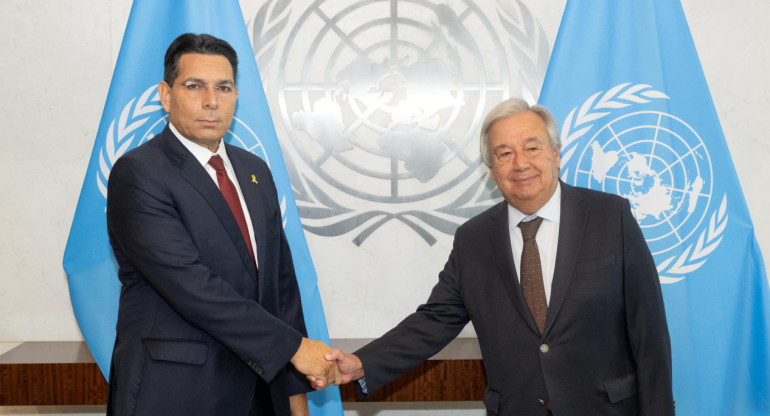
{"points": [[391, 113], [660, 164]]}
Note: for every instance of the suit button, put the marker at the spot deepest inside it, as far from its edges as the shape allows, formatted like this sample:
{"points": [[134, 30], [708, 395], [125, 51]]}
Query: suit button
{"points": [[255, 367], [544, 348]]}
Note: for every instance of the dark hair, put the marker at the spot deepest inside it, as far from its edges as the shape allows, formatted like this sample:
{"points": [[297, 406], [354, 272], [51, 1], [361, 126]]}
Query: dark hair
{"points": [[192, 43]]}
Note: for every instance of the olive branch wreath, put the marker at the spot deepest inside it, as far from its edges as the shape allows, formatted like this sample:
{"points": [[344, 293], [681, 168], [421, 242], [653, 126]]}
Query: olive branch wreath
{"points": [[121, 136], [528, 43]]}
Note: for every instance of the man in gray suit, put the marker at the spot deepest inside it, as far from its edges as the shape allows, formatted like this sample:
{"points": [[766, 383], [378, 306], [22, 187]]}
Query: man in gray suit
{"points": [[558, 282]]}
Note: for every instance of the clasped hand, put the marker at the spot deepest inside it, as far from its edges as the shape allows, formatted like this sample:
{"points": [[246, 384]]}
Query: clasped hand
{"points": [[310, 360], [348, 366], [324, 366]]}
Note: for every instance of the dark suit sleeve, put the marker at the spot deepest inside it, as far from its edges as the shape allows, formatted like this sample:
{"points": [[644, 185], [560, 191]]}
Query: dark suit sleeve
{"points": [[291, 312], [646, 320], [420, 335], [152, 241]]}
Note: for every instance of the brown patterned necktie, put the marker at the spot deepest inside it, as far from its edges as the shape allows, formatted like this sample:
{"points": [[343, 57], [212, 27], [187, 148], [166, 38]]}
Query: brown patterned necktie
{"points": [[532, 273]]}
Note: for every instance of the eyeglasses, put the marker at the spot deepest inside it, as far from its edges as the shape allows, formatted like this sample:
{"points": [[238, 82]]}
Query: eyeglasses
{"points": [[196, 89]]}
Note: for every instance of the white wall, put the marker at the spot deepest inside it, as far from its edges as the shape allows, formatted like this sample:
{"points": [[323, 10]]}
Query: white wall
{"points": [[57, 60]]}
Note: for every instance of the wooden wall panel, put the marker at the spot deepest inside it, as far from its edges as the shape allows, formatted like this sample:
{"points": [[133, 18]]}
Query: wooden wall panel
{"points": [[51, 384], [431, 381], [69, 384]]}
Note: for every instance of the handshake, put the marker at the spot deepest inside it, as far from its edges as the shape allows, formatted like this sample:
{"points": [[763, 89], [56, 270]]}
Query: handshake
{"points": [[324, 366]]}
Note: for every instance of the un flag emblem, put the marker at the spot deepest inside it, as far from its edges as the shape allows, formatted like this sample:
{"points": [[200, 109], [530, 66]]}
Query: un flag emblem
{"points": [[660, 164], [142, 118]]}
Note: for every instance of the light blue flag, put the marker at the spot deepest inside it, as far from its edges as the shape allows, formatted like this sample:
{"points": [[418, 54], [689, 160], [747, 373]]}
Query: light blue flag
{"points": [[636, 119], [132, 115]]}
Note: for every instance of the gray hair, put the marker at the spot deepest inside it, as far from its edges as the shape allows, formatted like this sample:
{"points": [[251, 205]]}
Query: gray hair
{"points": [[510, 108]]}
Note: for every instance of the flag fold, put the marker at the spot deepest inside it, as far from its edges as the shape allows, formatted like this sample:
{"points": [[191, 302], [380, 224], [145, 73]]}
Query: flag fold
{"points": [[636, 119]]}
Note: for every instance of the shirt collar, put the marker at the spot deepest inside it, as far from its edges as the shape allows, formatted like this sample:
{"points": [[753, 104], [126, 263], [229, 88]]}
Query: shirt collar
{"points": [[201, 153], [551, 211]]}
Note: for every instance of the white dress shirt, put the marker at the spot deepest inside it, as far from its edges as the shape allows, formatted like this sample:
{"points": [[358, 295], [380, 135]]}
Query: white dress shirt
{"points": [[203, 154], [547, 237]]}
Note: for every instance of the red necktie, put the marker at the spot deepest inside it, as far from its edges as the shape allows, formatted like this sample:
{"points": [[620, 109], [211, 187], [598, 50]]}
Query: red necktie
{"points": [[532, 273], [231, 196]]}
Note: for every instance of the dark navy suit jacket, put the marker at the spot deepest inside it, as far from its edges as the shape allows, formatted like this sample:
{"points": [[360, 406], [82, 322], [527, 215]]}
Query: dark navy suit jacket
{"points": [[196, 327], [605, 349]]}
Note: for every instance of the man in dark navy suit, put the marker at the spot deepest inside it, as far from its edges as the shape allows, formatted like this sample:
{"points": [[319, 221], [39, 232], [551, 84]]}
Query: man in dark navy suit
{"points": [[559, 284], [210, 319]]}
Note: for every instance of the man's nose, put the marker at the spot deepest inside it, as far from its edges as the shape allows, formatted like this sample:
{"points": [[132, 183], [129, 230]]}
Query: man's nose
{"points": [[210, 97], [519, 162]]}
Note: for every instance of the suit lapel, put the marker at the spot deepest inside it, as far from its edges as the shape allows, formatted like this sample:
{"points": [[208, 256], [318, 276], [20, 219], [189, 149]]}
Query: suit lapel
{"points": [[196, 175], [500, 240], [574, 216], [252, 188]]}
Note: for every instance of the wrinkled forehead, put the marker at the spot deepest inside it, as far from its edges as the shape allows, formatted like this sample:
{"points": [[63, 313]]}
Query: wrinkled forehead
{"points": [[514, 131]]}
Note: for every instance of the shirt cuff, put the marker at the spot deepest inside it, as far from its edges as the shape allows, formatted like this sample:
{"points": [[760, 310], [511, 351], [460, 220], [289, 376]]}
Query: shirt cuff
{"points": [[360, 386]]}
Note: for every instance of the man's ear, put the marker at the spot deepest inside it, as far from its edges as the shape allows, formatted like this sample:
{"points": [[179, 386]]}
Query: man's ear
{"points": [[164, 91], [557, 158]]}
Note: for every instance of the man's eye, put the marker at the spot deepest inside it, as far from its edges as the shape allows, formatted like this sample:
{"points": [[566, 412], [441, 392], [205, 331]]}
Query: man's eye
{"points": [[224, 89], [192, 86]]}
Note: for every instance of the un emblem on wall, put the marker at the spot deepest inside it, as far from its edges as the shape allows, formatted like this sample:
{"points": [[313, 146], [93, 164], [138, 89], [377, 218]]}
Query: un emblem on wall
{"points": [[661, 165], [382, 103]]}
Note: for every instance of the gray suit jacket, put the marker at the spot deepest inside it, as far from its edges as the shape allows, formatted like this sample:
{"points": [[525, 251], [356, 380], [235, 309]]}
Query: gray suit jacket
{"points": [[605, 349]]}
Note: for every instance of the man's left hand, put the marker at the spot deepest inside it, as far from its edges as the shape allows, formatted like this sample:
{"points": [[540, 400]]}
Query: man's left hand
{"points": [[298, 405]]}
